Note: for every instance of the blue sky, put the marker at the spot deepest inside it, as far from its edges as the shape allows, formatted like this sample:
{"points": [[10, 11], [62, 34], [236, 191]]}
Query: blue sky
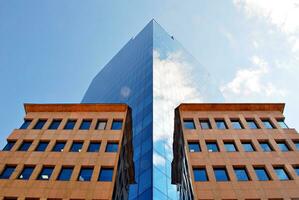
{"points": [[51, 50]]}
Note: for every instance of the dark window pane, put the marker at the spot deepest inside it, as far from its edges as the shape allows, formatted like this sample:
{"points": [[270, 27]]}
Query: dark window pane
{"points": [[252, 124], [46, 173], [261, 174], [70, 124], [117, 125], [189, 124], [230, 146], [55, 124], [194, 147], [25, 146], [58, 146], [76, 147], [221, 174], [205, 124], [267, 124], [296, 170], [236, 124], [266, 146], [200, 174], [101, 125], [212, 147], [26, 173], [241, 174], [40, 124], [65, 173], [221, 124], [7, 172], [26, 124], [85, 174], [106, 174], [94, 147], [248, 147], [85, 125], [281, 173], [282, 124], [112, 147], [283, 146], [296, 144], [41, 146], [9, 145]]}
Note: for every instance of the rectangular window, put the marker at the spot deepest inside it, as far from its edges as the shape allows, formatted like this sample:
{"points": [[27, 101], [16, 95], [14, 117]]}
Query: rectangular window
{"points": [[46, 173], [101, 124], [76, 147], [283, 146], [94, 147], [65, 173], [106, 174], [7, 172], [281, 173], [189, 124], [261, 174], [241, 173], [26, 173], [221, 174], [282, 124], [296, 168], [42, 145], [9, 145], [85, 174], [25, 146], [194, 147], [236, 124], [112, 147], [266, 146], [230, 146], [296, 143], [85, 125], [252, 124], [248, 146], [267, 124], [70, 124], [59, 146], [117, 125], [205, 124], [220, 123], [55, 124], [200, 174], [40, 124], [212, 146], [26, 124]]}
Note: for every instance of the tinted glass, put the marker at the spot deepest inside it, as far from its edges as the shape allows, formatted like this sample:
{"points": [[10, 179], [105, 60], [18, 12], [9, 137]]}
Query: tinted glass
{"points": [[25, 146], [282, 124], [58, 146], [117, 125], [40, 124], [76, 147], [221, 124], [9, 145], [46, 173], [85, 125], [283, 146], [70, 124], [297, 144], [26, 124], [266, 146], [200, 174], [221, 174], [236, 124], [55, 124], [212, 147], [205, 124], [230, 146], [248, 147], [85, 174], [267, 124], [296, 170], [106, 174], [194, 147], [241, 174], [41, 146], [252, 124], [7, 172], [26, 173], [262, 174], [101, 125], [112, 147], [189, 124], [94, 147], [281, 173], [65, 173]]}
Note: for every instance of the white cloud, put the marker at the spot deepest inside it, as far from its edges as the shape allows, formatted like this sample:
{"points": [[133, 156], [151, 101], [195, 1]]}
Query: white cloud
{"points": [[158, 160]]}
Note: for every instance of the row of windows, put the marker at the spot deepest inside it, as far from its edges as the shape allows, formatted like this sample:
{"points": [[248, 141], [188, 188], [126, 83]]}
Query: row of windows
{"points": [[71, 123], [94, 146], [241, 173], [85, 174], [230, 146], [235, 123]]}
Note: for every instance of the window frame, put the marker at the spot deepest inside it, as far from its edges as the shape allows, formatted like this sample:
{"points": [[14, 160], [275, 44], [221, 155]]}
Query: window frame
{"points": [[65, 127], [212, 142], [42, 141], [266, 142], [194, 143], [234, 120], [21, 145], [248, 120], [87, 168], [52, 127], [100, 177], [56, 142], [207, 121], [225, 172], [285, 171], [244, 168], [37, 124], [5, 168], [111, 143], [117, 121], [191, 121], [230, 143], [39, 177], [199, 179], [264, 168], [251, 144], [9, 145], [59, 178], [223, 122], [94, 142], [23, 170], [268, 120], [82, 124], [101, 121], [23, 127], [73, 148]]}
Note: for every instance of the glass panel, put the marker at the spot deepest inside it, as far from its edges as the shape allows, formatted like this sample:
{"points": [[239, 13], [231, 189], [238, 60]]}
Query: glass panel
{"points": [[26, 173], [296, 144], [76, 147], [283, 146], [85, 125], [101, 125], [9, 145], [41, 146], [267, 124], [65, 173], [189, 124], [248, 147], [236, 124], [252, 124], [70, 124], [26, 124], [94, 147], [221, 124], [106, 174], [221, 174], [25, 146], [230, 146], [296, 170], [85, 174], [266, 146], [282, 124], [241, 174], [281, 173], [212, 147], [194, 147], [117, 125], [7, 172], [58, 146], [112, 147], [205, 124], [55, 124], [40, 124], [261, 174], [46, 173], [200, 174]]}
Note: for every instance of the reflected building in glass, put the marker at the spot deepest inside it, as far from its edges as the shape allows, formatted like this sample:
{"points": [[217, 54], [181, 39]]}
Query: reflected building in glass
{"points": [[153, 73]]}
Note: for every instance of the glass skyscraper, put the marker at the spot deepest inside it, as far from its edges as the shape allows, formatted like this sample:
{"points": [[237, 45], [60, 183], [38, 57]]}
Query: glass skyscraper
{"points": [[153, 73]]}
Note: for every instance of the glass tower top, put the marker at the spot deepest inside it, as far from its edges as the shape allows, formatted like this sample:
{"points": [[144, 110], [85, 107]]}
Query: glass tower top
{"points": [[153, 73]]}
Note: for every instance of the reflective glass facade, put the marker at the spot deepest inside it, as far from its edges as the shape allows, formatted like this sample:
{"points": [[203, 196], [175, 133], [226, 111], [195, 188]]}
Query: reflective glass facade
{"points": [[152, 73]]}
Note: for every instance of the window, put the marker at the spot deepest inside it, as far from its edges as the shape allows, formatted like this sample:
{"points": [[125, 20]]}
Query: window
{"points": [[296, 168], [220, 123], [205, 124], [26, 173], [70, 124], [85, 174], [25, 146], [241, 173], [85, 125], [282, 124], [281, 173], [193, 147], [112, 147], [94, 147], [55, 124], [106, 174], [40, 124], [200, 174], [248, 147], [266, 146], [283, 146], [221, 174], [117, 125], [267, 124], [261, 174], [42, 146], [101, 125], [26, 124], [252, 124], [58, 146], [7, 172], [236, 124], [46, 173], [65, 173], [212, 146], [296, 144], [189, 124], [230, 146], [76, 147], [9, 145]]}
